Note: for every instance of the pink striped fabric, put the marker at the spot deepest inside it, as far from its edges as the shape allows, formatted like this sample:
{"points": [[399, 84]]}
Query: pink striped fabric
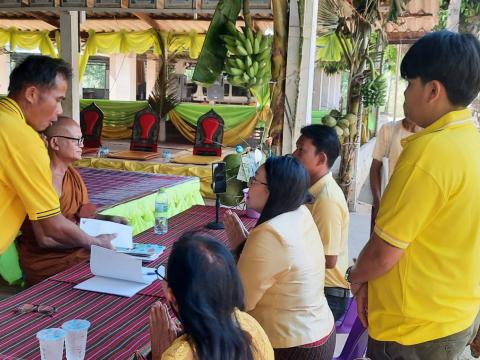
{"points": [[110, 187], [194, 218], [119, 325]]}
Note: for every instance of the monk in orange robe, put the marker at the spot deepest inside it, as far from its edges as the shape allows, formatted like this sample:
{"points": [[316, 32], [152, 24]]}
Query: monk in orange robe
{"points": [[38, 262]]}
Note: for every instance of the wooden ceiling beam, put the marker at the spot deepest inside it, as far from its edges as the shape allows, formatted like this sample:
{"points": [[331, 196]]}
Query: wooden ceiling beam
{"points": [[48, 19], [148, 20]]}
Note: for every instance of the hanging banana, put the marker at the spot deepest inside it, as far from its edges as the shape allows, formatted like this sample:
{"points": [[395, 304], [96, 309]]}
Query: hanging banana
{"points": [[249, 60]]}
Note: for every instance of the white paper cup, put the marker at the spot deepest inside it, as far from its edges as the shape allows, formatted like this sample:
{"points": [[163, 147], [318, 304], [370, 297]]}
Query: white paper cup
{"points": [[76, 338], [51, 343]]}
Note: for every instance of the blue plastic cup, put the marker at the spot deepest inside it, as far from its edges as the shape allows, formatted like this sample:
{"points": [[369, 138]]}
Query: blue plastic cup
{"points": [[51, 343], [76, 338]]}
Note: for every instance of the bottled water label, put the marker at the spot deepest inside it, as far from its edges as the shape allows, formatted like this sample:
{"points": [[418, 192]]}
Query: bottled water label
{"points": [[160, 207], [161, 212]]}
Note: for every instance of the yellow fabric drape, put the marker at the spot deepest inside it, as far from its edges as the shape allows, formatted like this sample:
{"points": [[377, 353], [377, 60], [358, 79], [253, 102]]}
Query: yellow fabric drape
{"points": [[28, 40], [109, 132], [231, 137], [203, 172], [138, 42]]}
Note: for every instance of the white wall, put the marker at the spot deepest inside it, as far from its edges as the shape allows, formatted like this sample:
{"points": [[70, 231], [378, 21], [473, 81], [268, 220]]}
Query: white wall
{"points": [[123, 77], [327, 90], [151, 74], [4, 73]]}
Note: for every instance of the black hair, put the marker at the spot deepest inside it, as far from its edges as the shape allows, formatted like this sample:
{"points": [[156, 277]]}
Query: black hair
{"points": [[37, 70], [204, 279], [287, 182], [451, 58], [325, 139]]}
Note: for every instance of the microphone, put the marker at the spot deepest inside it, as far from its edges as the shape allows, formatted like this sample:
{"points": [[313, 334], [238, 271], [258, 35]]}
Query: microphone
{"points": [[219, 186]]}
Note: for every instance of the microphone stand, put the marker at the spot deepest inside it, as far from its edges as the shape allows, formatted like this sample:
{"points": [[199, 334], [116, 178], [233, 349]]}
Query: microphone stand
{"points": [[216, 225]]}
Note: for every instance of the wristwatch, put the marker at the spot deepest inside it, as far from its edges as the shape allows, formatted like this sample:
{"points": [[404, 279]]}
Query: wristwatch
{"points": [[347, 274]]}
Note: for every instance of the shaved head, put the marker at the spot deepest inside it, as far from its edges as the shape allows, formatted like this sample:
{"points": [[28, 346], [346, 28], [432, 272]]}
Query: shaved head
{"points": [[63, 126]]}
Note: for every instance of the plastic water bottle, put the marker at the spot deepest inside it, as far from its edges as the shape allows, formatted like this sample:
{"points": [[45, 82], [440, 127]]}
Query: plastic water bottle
{"points": [[161, 212]]}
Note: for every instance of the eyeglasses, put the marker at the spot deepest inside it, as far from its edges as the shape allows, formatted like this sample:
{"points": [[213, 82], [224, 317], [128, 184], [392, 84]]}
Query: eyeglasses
{"points": [[160, 276], [252, 181], [41, 309], [78, 140]]}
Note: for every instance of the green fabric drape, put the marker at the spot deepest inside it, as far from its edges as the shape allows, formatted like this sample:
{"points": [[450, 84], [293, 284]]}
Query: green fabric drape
{"points": [[140, 212], [117, 113], [233, 115], [119, 116]]}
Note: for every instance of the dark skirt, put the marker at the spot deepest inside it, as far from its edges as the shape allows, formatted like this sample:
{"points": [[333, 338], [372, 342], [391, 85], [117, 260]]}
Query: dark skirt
{"points": [[322, 352]]}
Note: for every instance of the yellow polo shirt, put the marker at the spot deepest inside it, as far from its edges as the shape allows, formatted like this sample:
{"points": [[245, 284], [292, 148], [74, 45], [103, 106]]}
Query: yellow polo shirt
{"points": [[330, 213], [25, 177], [431, 208], [282, 268]]}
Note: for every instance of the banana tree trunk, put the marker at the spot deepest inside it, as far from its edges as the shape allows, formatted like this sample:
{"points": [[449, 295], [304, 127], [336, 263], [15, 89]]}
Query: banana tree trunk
{"points": [[350, 147], [246, 14], [279, 68]]}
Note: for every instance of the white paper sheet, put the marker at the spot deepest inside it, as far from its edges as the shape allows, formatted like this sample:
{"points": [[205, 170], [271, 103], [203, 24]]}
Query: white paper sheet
{"points": [[116, 273], [94, 227]]}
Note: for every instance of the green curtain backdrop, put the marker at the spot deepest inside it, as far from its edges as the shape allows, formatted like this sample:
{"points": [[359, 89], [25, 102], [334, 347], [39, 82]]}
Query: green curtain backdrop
{"points": [[233, 115]]}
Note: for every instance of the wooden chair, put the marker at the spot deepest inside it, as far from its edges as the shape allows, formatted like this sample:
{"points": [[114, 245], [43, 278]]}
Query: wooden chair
{"points": [[145, 131], [91, 123], [209, 135]]}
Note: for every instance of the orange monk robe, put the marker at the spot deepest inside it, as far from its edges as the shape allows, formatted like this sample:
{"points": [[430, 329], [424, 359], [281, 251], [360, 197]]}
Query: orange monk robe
{"points": [[40, 263]]}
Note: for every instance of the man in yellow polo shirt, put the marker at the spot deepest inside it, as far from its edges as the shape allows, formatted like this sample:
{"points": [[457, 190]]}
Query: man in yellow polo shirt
{"points": [[317, 149], [36, 90], [418, 278]]}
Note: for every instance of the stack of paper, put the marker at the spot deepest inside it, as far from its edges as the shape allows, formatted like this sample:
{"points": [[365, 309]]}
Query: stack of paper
{"points": [[117, 274], [145, 252], [94, 227]]}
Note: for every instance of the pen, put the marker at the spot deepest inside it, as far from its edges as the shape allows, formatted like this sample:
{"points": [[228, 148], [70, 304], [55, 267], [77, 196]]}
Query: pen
{"points": [[138, 254], [150, 273]]}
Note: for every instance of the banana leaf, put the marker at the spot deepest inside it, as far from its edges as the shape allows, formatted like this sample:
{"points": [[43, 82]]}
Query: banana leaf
{"points": [[329, 48], [212, 57], [262, 94]]}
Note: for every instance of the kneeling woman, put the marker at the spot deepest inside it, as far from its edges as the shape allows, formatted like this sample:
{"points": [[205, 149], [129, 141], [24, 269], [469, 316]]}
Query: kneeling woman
{"points": [[282, 264], [205, 291]]}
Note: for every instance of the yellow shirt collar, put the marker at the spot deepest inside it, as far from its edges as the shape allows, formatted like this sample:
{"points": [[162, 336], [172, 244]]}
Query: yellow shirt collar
{"points": [[319, 185], [12, 105], [451, 119]]}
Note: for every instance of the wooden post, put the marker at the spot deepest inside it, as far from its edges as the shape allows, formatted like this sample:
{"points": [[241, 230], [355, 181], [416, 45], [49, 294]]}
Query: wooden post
{"points": [[70, 49]]}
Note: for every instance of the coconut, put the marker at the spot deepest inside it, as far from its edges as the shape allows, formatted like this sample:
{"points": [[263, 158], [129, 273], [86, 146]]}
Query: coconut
{"points": [[329, 121]]}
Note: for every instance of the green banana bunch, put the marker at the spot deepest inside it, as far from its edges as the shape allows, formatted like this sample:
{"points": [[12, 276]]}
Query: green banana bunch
{"points": [[249, 60], [374, 92]]}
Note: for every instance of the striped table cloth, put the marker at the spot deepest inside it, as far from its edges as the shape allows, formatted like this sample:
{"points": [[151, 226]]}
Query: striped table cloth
{"points": [[119, 324], [194, 218], [110, 187]]}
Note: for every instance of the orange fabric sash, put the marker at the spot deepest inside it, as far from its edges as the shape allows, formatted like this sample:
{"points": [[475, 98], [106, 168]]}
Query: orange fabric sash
{"points": [[39, 263]]}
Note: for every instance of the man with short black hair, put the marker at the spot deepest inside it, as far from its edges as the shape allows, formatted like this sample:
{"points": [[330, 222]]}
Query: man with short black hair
{"points": [[37, 87], [317, 149], [417, 281]]}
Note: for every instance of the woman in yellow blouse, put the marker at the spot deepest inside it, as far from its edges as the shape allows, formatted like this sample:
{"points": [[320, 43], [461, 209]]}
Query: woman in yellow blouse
{"points": [[205, 292], [282, 265]]}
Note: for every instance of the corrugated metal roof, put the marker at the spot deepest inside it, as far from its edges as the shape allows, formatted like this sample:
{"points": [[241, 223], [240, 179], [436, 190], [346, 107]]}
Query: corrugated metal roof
{"points": [[420, 17], [26, 24], [117, 23]]}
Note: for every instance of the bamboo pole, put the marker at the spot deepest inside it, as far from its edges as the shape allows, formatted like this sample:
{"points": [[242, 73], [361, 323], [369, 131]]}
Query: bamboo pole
{"points": [[397, 77], [279, 67]]}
